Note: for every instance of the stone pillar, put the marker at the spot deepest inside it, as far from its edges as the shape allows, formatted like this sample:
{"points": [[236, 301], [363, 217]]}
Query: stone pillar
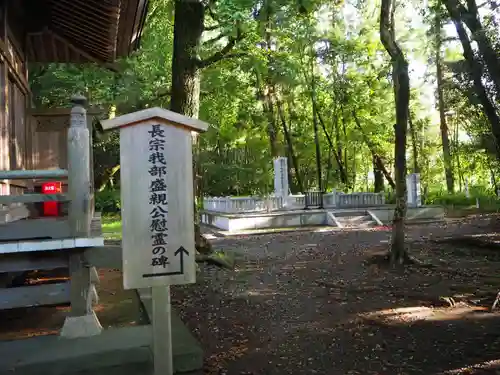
{"points": [[82, 321], [79, 182], [413, 187], [281, 178]]}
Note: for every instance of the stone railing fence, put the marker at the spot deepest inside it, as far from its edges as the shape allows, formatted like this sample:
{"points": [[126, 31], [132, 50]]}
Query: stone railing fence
{"points": [[242, 204], [334, 199]]}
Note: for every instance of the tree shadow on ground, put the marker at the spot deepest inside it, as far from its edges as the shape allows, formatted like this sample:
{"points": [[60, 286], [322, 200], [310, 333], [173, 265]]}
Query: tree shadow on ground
{"points": [[305, 304], [403, 343]]}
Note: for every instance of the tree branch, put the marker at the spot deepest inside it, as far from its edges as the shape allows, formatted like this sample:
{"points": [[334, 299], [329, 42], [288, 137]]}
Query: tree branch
{"points": [[141, 104], [212, 14], [215, 39], [378, 159], [387, 29], [223, 53], [211, 28]]}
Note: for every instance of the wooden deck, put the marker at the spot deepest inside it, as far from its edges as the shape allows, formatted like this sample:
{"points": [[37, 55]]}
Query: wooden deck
{"points": [[42, 234], [50, 244]]}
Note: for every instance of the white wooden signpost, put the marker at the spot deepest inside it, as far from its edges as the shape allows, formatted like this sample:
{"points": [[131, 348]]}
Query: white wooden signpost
{"points": [[158, 247]]}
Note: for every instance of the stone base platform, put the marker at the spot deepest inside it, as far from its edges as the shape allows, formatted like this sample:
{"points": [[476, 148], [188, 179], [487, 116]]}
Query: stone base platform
{"points": [[117, 351], [370, 216]]}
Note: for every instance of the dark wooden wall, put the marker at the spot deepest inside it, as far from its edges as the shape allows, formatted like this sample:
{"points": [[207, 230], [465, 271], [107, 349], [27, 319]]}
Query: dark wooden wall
{"points": [[21, 145]]}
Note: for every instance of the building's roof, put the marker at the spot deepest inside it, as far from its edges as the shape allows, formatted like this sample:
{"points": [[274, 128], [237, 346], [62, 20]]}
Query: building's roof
{"points": [[83, 30]]}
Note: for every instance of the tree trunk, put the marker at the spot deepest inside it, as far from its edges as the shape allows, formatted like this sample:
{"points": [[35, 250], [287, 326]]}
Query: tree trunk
{"points": [[476, 72], [271, 126], [493, 180], [345, 140], [318, 151], [338, 142], [456, 152], [291, 153], [490, 57], [329, 168], [315, 124], [188, 29], [401, 80], [185, 93], [414, 145], [378, 159], [445, 139], [337, 153], [378, 176]]}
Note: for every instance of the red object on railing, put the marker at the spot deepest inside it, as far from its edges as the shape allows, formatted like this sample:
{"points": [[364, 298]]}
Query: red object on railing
{"points": [[51, 208]]}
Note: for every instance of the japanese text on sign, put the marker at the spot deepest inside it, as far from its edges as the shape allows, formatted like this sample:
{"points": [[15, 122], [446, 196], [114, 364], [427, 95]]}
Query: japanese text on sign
{"points": [[158, 196]]}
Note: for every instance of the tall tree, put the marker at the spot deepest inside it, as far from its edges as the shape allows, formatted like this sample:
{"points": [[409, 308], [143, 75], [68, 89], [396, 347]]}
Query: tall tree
{"points": [[445, 138], [401, 82], [470, 16], [476, 71], [189, 24]]}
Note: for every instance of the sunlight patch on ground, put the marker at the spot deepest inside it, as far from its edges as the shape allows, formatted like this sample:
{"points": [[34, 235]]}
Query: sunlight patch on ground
{"points": [[475, 368], [267, 294], [299, 265], [262, 292], [483, 235], [404, 315], [249, 268], [321, 230], [111, 228]]}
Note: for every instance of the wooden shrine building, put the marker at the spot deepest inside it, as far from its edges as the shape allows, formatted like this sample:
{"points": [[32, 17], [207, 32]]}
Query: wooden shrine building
{"points": [[40, 145]]}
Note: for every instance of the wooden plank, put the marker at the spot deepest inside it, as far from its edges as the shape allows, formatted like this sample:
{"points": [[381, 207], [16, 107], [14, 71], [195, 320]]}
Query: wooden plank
{"points": [[16, 262], [166, 117], [34, 295], [12, 214], [43, 228], [62, 112], [33, 174], [94, 276], [80, 287], [20, 79], [33, 198], [105, 257], [48, 245], [79, 170], [91, 167], [96, 225], [173, 234], [162, 330]]}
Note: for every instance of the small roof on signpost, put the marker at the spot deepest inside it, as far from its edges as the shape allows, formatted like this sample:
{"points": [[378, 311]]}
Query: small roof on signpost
{"points": [[155, 113]]}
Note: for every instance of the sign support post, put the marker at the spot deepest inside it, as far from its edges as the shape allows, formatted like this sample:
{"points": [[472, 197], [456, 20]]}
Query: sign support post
{"points": [[162, 330], [157, 212]]}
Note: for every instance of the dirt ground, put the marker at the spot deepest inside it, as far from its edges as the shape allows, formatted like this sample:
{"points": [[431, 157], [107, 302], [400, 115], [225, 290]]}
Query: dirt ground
{"points": [[116, 308], [307, 303]]}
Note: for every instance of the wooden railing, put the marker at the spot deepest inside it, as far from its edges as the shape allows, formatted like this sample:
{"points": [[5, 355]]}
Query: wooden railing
{"points": [[79, 179], [34, 174]]}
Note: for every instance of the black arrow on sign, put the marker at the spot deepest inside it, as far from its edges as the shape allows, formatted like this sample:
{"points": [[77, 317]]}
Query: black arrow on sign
{"points": [[180, 252]]}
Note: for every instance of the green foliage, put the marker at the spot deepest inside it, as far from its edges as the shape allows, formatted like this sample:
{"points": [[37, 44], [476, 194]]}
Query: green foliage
{"points": [[293, 51], [461, 200], [108, 201]]}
